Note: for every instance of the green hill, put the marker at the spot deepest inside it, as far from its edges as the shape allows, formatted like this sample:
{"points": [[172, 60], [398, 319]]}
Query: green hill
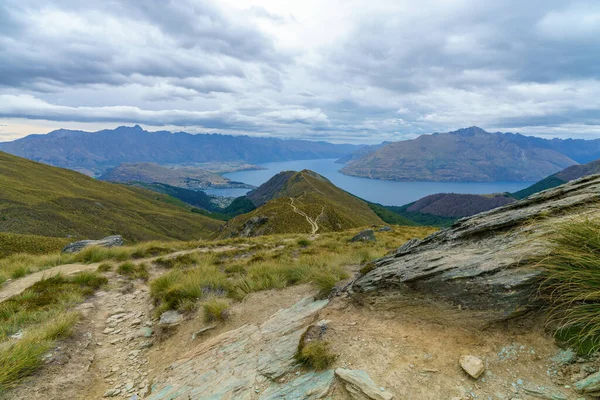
{"points": [[300, 202], [566, 175], [38, 199]]}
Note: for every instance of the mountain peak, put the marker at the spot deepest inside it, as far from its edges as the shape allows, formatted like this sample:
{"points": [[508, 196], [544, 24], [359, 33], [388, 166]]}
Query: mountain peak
{"points": [[470, 131]]}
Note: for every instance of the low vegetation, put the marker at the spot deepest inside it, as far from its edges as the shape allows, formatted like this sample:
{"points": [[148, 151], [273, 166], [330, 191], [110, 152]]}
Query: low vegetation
{"points": [[32, 322], [11, 243], [134, 271], [216, 309], [572, 284], [267, 262], [316, 355]]}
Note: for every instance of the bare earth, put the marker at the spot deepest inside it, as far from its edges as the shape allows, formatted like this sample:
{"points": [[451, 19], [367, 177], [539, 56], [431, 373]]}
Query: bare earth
{"points": [[410, 347]]}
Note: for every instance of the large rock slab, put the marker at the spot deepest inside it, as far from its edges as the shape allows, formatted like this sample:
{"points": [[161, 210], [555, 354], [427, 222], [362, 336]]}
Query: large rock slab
{"points": [[233, 364], [483, 262], [360, 386], [110, 241]]}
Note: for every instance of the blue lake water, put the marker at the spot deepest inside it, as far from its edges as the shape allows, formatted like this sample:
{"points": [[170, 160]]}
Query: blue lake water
{"points": [[384, 192]]}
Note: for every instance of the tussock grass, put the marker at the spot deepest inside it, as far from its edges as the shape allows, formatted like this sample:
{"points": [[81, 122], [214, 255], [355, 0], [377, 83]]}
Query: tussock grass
{"points": [[572, 284], [316, 355], [134, 271], [41, 313], [215, 309]]}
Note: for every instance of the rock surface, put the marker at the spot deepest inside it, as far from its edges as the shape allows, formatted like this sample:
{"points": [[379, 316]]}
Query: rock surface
{"points": [[110, 241], [364, 236], [170, 318], [235, 364], [472, 365], [591, 384], [482, 262], [360, 386]]}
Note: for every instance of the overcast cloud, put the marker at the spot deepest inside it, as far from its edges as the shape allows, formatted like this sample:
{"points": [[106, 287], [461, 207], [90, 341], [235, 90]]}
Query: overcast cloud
{"points": [[358, 71]]}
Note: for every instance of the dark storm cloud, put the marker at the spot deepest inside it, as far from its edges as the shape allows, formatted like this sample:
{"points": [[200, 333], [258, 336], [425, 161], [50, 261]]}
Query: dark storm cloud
{"points": [[180, 39]]}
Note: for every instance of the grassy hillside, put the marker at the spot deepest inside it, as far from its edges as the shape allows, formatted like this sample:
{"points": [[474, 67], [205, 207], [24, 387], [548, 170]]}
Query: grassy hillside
{"points": [[566, 175], [37, 199], [290, 204], [11, 243]]}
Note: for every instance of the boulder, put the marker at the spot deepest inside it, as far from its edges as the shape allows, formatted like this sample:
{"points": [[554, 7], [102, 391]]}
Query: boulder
{"points": [[364, 236], [485, 262], [170, 319], [360, 386], [385, 229], [472, 365], [110, 241]]}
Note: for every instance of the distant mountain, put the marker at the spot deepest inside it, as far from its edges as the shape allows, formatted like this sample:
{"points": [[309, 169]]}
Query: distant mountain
{"points": [[97, 151], [37, 199], [360, 152], [471, 155], [566, 175], [300, 202], [184, 177]]}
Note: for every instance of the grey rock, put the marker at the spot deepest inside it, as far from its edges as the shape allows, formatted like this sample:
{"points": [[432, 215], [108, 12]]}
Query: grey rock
{"points": [[366, 235], [169, 319], [228, 365], [481, 262], [110, 241], [360, 386], [541, 392], [591, 384], [310, 386], [144, 332], [385, 229], [203, 331]]}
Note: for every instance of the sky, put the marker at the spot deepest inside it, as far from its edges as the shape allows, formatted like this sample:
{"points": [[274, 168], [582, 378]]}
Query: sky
{"points": [[352, 71]]}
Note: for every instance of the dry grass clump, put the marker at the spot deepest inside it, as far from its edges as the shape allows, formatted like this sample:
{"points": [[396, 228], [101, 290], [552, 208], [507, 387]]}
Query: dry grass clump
{"points": [[316, 355], [216, 309], [41, 314], [572, 284], [134, 271]]}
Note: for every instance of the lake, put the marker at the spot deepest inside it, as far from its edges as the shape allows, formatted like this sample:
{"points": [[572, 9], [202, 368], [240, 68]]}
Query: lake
{"points": [[384, 192]]}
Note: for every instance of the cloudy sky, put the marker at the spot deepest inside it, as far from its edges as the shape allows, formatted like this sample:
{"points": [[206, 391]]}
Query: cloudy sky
{"points": [[359, 71]]}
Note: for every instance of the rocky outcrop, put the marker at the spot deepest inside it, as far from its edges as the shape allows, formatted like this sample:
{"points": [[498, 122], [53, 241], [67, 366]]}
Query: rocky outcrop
{"points": [[250, 360], [366, 235], [484, 262], [110, 241], [360, 386]]}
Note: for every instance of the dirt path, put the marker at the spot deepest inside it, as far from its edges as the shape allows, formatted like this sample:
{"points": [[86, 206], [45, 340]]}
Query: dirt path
{"points": [[313, 222], [16, 286]]}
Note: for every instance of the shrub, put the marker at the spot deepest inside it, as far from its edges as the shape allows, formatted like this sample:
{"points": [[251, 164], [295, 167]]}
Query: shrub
{"points": [[316, 355], [134, 271], [303, 242], [572, 284], [104, 267], [216, 310]]}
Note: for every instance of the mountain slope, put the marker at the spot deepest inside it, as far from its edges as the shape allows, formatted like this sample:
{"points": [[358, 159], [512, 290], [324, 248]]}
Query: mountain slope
{"points": [[466, 155], [300, 202], [566, 175], [184, 177], [108, 148], [43, 200]]}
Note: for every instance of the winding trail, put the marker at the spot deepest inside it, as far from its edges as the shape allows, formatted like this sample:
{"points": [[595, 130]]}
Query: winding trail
{"points": [[16, 286], [313, 222]]}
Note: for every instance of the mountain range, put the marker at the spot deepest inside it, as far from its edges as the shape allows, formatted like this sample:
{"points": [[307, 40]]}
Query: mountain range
{"points": [[92, 152], [473, 155]]}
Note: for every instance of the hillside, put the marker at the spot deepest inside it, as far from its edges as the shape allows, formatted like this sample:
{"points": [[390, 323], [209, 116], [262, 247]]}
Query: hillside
{"points": [[97, 151], [300, 202], [37, 199], [360, 152], [566, 175], [184, 177], [466, 155]]}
